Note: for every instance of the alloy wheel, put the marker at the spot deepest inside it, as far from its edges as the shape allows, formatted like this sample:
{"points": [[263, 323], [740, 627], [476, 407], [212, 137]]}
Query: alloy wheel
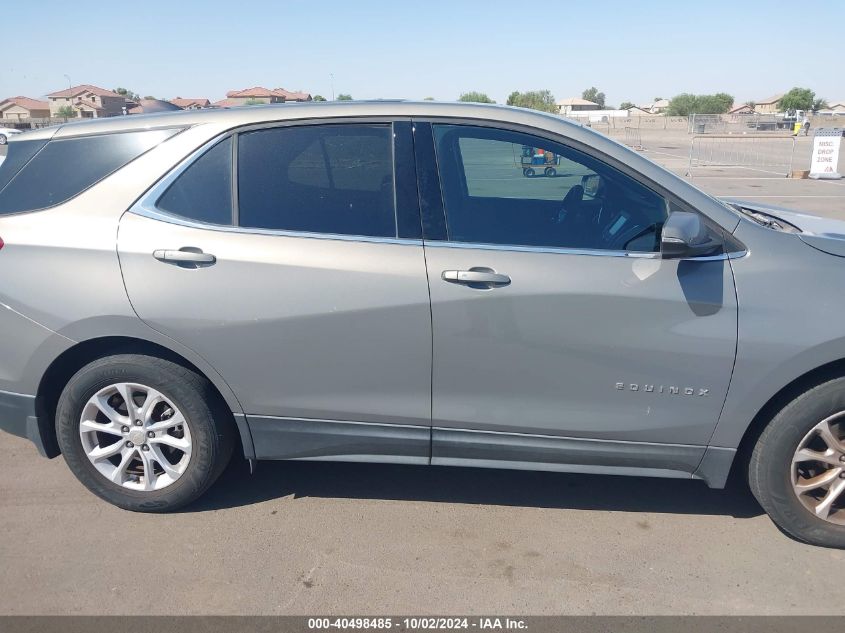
{"points": [[818, 469], [135, 436]]}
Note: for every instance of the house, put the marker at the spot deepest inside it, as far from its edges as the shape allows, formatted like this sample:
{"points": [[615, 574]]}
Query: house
{"points": [[251, 96], [18, 108], [770, 105], [576, 104], [638, 111], [657, 107], [741, 109], [88, 102], [294, 96], [190, 104], [833, 106]]}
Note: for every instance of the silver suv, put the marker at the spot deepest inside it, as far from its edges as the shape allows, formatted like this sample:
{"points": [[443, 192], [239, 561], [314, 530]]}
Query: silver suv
{"points": [[417, 283]]}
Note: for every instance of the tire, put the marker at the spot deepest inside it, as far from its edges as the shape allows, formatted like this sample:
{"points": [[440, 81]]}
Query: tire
{"points": [[770, 469], [3, 139], [550, 172], [529, 173], [195, 410]]}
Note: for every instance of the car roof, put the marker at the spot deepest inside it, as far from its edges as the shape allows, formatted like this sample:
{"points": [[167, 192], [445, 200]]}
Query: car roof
{"points": [[245, 115]]}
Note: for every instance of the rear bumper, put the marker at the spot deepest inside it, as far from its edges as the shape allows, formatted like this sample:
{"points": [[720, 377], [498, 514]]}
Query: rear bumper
{"points": [[17, 416]]}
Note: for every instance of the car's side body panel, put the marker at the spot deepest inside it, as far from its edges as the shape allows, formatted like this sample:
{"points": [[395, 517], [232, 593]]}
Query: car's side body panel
{"points": [[61, 283], [792, 297], [623, 348], [298, 326]]}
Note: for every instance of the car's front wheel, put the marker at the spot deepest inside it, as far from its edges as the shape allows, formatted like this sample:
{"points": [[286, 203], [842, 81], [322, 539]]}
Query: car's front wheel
{"points": [[143, 433], [3, 139], [797, 468]]}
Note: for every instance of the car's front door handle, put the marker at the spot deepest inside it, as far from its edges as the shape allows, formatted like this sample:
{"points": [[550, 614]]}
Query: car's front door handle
{"points": [[476, 276], [188, 256]]}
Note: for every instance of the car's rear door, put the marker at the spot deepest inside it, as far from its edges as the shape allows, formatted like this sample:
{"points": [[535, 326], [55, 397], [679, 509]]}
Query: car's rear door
{"points": [[555, 321], [290, 258]]}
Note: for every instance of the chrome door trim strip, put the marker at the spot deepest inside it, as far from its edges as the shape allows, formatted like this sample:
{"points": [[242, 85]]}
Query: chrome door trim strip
{"points": [[155, 214], [576, 251]]}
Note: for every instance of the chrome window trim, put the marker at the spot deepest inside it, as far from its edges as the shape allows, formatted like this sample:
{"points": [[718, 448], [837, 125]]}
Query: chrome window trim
{"points": [[146, 205], [154, 214], [578, 251]]}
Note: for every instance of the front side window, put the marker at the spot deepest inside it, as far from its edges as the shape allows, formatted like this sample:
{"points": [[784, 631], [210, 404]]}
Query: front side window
{"points": [[333, 178], [509, 188]]}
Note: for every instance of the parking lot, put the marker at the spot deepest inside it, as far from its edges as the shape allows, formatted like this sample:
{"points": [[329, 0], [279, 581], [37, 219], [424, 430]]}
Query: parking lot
{"points": [[298, 538]]}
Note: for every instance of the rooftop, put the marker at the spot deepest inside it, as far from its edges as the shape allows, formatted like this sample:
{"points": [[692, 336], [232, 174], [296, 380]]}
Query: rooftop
{"points": [[87, 88], [576, 101], [26, 102]]}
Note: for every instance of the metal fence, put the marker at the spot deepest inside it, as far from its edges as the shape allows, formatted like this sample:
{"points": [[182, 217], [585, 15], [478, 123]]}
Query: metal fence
{"points": [[767, 154], [633, 138], [736, 124]]}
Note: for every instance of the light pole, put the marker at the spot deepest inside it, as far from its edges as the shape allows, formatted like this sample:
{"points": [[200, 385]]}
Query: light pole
{"points": [[332, 80]]}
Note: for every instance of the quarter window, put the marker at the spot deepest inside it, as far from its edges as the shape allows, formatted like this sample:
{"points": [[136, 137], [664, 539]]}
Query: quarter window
{"points": [[63, 168], [509, 188], [203, 192], [335, 179]]}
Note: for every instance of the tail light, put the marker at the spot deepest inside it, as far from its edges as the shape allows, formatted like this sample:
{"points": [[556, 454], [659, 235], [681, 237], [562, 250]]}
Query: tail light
{"points": [[2, 243]]}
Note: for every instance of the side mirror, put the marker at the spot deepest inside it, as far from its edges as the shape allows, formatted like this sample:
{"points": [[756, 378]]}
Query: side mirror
{"points": [[685, 235]]}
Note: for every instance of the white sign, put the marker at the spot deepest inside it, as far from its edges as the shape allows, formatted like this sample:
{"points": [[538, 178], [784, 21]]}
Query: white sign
{"points": [[825, 158]]}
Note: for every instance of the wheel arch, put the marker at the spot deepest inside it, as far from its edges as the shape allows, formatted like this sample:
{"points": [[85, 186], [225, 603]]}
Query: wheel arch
{"points": [[790, 391], [71, 360]]}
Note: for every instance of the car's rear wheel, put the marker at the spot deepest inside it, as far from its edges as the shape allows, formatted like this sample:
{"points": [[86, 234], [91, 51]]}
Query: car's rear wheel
{"points": [[797, 468], [3, 139], [143, 433]]}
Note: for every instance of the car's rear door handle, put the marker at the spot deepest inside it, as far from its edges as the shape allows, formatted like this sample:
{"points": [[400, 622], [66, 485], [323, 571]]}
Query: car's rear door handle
{"points": [[186, 255], [476, 277]]}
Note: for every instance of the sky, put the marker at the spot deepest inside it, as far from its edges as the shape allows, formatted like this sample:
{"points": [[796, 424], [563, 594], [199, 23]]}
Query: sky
{"points": [[631, 50]]}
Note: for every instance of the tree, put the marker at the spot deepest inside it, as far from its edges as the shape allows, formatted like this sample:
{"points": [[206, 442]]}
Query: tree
{"points": [[475, 97], [626, 105], [820, 104], [797, 99], [685, 104], [724, 100], [429, 99], [658, 98], [319, 98], [254, 102], [752, 105], [66, 112], [593, 94], [542, 100], [344, 97], [127, 94]]}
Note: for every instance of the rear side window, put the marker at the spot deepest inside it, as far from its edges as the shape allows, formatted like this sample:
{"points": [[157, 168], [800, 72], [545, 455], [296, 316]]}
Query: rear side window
{"points": [[335, 179], [19, 154], [63, 168], [203, 192]]}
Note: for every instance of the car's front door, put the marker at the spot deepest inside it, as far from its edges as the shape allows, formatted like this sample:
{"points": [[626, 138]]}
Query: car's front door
{"points": [[301, 280], [554, 315]]}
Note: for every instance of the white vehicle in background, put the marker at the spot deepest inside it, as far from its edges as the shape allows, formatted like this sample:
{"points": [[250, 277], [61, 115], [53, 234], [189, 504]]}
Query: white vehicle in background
{"points": [[6, 132]]}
